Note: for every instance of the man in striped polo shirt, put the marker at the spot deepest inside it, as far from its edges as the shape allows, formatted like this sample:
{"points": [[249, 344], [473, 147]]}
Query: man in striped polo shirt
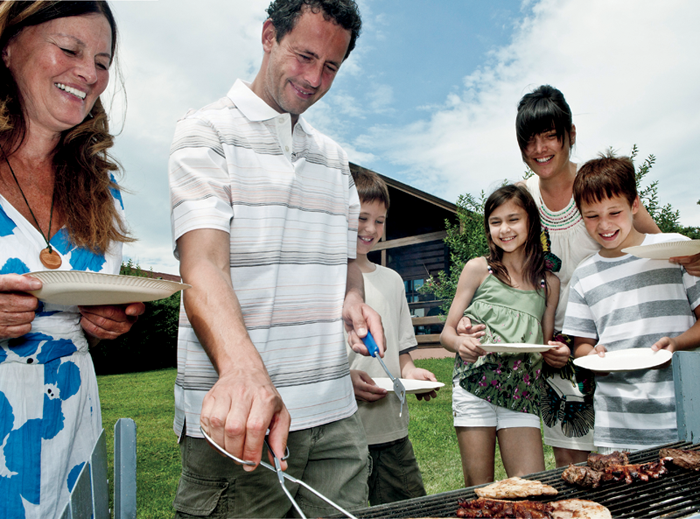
{"points": [[264, 217]]}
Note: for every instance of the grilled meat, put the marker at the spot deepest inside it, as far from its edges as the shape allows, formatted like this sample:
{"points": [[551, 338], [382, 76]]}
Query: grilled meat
{"points": [[588, 477], [483, 507], [602, 461], [683, 458], [639, 472], [582, 476]]}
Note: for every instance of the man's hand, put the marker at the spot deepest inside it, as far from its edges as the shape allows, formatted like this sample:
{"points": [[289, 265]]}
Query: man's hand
{"points": [[243, 404], [109, 321], [464, 327], [239, 409], [365, 388], [358, 318], [557, 357]]}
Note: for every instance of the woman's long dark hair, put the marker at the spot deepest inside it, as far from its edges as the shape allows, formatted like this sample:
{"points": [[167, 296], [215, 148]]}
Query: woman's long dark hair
{"points": [[83, 168], [534, 265]]}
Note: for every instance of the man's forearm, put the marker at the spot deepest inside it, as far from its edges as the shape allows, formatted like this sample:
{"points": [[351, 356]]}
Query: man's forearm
{"points": [[211, 304], [355, 281]]}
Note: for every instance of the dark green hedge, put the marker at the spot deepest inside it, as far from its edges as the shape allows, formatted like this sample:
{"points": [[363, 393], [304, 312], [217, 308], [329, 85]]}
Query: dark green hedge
{"points": [[150, 344]]}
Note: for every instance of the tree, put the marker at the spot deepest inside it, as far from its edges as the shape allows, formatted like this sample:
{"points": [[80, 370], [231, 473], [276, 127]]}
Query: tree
{"points": [[150, 344], [467, 240]]}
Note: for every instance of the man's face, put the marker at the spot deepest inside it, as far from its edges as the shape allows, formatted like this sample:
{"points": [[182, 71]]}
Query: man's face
{"points": [[301, 68]]}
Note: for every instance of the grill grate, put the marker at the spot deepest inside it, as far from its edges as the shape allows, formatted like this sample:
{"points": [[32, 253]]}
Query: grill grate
{"points": [[677, 494]]}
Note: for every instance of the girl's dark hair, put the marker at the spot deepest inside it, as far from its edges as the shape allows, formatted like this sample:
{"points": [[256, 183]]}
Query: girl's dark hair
{"points": [[534, 264], [542, 110], [84, 185]]}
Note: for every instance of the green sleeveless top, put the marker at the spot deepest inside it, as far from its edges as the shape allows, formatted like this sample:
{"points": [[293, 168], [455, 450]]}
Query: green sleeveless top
{"points": [[510, 380]]}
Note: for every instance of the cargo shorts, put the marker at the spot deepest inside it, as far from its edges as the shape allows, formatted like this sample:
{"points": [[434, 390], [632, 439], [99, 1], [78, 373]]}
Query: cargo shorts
{"points": [[395, 474], [333, 459]]}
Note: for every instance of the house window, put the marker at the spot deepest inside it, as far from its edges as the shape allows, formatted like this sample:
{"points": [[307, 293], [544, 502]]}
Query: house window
{"points": [[412, 286]]}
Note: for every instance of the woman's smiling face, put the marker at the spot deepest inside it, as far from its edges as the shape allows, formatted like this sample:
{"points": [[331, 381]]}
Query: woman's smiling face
{"points": [[61, 67], [547, 155]]}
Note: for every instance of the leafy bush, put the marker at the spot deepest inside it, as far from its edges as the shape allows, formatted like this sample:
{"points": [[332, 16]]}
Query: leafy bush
{"points": [[150, 344]]}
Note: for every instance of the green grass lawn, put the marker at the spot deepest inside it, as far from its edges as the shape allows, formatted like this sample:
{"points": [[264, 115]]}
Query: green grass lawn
{"points": [[148, 399]]}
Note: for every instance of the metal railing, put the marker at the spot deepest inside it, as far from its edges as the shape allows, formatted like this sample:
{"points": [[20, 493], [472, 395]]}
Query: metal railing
{"points": [[90, 495]]}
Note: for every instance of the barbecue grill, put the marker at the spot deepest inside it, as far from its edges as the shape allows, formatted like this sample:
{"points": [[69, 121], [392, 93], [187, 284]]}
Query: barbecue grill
{"points": [[676, 494]]}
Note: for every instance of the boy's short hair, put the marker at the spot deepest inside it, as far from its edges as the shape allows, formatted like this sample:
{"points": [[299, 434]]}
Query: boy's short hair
{"points": [[605, 177], [370, 186]]}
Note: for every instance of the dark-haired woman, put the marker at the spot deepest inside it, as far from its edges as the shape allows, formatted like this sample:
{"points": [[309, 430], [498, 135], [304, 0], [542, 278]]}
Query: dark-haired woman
{"points": [[546, 134], [59, 209]]}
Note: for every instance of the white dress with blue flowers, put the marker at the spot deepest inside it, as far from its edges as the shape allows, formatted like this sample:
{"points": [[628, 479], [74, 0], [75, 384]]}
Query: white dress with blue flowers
{"points": [[49, 405]]}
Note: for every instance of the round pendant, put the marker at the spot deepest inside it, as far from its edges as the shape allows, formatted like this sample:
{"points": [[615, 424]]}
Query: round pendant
{"points": [[50, 258]]}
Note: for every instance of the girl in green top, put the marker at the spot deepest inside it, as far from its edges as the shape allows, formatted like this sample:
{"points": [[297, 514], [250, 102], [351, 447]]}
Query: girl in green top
{"points": [[496, 395]]}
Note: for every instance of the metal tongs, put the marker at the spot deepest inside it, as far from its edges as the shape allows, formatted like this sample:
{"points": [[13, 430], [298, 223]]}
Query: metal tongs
{"points": [[281, 475], [399, 388]]}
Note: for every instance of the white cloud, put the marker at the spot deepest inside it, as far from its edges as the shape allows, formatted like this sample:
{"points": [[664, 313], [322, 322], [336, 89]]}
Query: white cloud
{"points": [[627, 68]]}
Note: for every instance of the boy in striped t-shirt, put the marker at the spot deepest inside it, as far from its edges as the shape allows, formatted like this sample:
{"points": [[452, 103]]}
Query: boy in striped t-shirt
{"points": [[618, 301]]}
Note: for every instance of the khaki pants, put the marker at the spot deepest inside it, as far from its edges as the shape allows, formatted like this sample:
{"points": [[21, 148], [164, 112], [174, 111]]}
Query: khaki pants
{"points": [[395, 474], [332, 458]]}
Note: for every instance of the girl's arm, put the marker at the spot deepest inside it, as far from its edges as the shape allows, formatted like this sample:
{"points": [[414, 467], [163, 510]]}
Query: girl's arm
{"points": [[473, 274], [559, 356]]}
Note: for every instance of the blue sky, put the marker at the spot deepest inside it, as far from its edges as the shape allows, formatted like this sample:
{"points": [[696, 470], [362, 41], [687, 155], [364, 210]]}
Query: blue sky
{"points": [[429, 95]]}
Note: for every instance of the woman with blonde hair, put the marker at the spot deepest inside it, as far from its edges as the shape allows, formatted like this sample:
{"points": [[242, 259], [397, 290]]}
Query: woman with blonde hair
{"points": [[60, 208]]}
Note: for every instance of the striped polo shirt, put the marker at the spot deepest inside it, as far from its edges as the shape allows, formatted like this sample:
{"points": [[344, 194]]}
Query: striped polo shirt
{"points": [[287, 199], [629, 302]]}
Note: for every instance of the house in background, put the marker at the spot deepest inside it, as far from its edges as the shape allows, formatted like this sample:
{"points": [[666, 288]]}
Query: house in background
{"points": [[413, 245]]}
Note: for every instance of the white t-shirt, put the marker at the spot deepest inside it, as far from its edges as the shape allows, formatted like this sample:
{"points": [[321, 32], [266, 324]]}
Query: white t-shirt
{"points": [[385, 293]]}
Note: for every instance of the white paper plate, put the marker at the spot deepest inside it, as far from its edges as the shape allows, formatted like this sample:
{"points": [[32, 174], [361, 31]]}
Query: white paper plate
{"points": [[625, 360], [75, 287], [663, 251], [412, 386], [515, 347]]}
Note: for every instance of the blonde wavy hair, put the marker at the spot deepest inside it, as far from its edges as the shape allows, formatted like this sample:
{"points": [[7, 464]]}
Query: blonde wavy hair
{"points": [[82, 165]]}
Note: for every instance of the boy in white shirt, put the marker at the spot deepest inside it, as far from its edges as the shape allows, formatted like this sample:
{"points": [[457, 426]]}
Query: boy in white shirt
{"points": [[618, 301], [395, 474]]}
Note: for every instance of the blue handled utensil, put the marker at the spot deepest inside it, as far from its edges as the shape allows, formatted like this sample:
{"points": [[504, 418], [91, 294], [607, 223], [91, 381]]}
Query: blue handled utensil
{"points": [[281, 476], [399, 388]]}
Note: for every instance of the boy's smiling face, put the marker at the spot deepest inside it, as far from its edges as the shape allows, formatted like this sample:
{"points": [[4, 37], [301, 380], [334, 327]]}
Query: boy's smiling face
{"points": [[610, 222], [371, 225]]}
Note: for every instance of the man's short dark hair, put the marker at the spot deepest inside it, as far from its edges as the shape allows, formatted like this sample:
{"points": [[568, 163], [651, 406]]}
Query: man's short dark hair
{"points": [[285, 13]]}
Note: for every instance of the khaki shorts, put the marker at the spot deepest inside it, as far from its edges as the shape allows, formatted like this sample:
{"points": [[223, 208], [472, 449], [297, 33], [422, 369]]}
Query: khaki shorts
{"points": [[333, 459]]}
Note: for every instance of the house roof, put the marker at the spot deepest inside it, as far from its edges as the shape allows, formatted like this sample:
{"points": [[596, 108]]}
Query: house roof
{"points": [[410, 190]]}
